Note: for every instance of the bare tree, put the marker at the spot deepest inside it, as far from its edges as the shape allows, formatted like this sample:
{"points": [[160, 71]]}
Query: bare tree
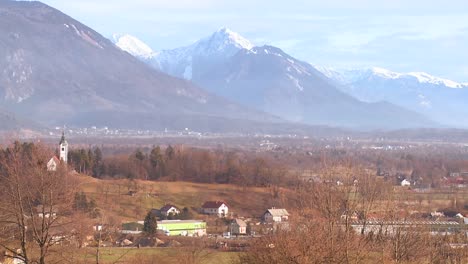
{"points": [[34, 202]]}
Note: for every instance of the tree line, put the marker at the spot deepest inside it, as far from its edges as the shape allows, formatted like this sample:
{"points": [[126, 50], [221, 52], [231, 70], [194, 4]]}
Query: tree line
{"points": [[179, 164]]}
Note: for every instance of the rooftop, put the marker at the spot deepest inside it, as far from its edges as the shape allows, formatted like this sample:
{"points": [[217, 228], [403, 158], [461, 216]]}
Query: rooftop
{"points": [[239, 222], [213, 204], [166, 207], [278, 212], [179, 221]]}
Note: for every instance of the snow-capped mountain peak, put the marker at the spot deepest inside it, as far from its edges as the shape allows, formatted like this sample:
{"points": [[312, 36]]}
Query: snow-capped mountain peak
{"points": [[133, 45], [421, 77], [440, 98], [426, 78], [385, 73], [349, 76], [230, 37], [216, 48], [224, 42]]}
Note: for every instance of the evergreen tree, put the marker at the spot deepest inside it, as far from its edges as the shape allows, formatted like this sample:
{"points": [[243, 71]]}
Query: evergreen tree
{"points": [[155, 156], [157, 163], [170, 152], [98, 166], [139, 155], [150, 225], [185, 214]]}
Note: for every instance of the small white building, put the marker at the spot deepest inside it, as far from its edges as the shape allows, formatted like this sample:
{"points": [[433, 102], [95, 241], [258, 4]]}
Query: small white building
{"points": [[169, 209], [97, 227], [53, 164], [274, 215], [47, 211], [405, 182], [218, 208]]}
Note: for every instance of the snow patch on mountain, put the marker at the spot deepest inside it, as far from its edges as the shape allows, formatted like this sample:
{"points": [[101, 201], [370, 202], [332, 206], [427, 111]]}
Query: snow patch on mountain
{"points": [[423, 101], [349, 76], [426, 78], [296, 82], [230, 37], [188, 72], [133, 45], [385, 73]]}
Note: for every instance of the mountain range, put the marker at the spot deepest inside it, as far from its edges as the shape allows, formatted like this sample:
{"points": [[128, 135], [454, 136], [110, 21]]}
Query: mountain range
{"points": [[440, 99], [58, 71], [267, 79]]}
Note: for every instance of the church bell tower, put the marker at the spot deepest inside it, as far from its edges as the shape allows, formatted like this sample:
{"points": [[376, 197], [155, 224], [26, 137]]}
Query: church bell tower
{"points": [[63, 149]]}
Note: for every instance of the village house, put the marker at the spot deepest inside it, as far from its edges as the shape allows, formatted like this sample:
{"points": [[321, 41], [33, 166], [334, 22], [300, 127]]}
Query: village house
{"points": [[274, 215], [169, 209], [97, 227], [46, 212], [218, 208], [53, 164], [238, 227], [405, 182]]}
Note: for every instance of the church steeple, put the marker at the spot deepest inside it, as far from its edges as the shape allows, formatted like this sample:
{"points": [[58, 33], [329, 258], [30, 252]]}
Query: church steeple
{"points": [[63, 148]]}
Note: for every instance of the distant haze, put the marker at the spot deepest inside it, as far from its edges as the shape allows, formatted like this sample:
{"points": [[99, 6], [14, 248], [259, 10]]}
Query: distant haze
{"points": [[402, 36]]}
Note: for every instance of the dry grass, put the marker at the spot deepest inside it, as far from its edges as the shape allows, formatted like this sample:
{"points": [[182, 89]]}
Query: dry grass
{"points": [[144, 255], [113, 199]]}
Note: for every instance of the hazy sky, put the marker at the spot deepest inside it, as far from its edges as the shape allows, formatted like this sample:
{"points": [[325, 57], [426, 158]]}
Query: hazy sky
{"points": [[401, 35]]}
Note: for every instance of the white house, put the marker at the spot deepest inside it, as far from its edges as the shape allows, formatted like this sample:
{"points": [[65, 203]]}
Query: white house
{"points": [[275, 215], [405, 182], [169, 209], [46, 212], [97, 227], [218, 208], [53, 164]]}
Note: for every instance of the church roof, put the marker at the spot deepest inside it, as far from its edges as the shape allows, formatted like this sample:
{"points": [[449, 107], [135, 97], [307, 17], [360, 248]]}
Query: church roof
{"points": [[57, 160], [62, 140]]}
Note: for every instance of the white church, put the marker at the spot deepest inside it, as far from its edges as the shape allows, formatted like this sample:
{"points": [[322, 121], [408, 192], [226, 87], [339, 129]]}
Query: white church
{"points": [[63, 155]]}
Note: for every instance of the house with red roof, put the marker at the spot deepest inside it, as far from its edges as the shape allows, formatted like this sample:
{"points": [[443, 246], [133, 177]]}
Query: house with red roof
{"points": [[218, 208]]}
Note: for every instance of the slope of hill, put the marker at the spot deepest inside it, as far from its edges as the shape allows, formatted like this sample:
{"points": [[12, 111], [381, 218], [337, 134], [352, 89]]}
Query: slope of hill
{"points": [[441, 99], [112, 197], [277, 83], [10, 121], [270, 80], [58, 71]]}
